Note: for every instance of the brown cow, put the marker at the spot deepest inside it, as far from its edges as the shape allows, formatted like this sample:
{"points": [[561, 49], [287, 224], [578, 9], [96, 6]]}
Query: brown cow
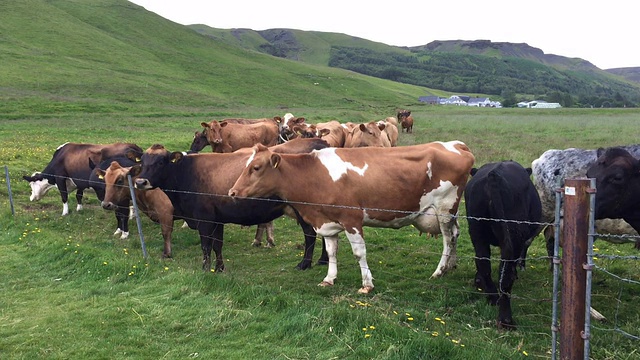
{"points": [[225, 137], [369, 134], [391, 130], [406, 120], [154, 203], [69, 170], [347, 194]]}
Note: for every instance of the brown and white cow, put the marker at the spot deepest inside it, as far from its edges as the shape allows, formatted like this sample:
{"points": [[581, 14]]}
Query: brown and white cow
{"points": [[406, 121], [69, 170], [197, 185], [227, 136], [368, 134], [347, 194], [153, 203]]}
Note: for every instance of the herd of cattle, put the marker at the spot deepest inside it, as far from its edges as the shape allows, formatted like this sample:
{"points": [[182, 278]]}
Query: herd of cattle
{"points": [[331, 178]]}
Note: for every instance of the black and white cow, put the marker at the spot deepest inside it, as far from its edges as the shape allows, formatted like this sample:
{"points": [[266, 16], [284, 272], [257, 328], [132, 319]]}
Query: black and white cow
{"points": [[501, 190], [69, 170], [549, 172], [617, 175]]}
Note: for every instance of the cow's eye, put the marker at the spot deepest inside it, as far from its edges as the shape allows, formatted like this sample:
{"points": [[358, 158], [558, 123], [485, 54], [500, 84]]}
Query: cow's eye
{"points": [[617, 179], [119, 181], [256, 168]]}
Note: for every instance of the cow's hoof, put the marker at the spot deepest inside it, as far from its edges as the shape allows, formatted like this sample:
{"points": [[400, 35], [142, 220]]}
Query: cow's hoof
{"points": [[365, 290], [124, 235], [256, 243], [270, 244], [508, 324], [325, 284]]}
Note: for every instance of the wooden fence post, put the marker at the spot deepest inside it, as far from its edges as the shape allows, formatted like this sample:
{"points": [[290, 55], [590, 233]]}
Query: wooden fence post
{"points": [[574, 255]]}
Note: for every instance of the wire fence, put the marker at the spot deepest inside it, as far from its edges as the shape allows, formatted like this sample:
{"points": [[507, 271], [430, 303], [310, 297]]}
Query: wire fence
{"points": [[621, 272]]}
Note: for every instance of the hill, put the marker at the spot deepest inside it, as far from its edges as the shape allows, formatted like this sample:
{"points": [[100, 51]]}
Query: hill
{"points": [[112, 55], [481, 66], [629, 73]]}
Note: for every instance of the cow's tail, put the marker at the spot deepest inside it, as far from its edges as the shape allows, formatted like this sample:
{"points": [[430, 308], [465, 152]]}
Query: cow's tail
{"points": [[498, 187]]}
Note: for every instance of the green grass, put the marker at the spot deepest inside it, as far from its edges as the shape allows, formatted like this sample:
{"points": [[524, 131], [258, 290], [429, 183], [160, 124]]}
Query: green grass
{"points": [[71, 290]]}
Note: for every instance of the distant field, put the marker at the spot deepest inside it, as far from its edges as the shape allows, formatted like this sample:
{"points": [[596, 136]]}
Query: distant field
{"points": [[71, 290]]}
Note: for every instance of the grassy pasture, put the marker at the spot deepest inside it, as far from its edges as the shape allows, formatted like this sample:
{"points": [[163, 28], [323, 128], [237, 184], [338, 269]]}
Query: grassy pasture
{"points": [[71, 290]]}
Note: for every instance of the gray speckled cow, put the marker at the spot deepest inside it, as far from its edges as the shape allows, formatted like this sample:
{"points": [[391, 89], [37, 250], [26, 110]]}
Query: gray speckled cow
{"points": [[555, 165]]}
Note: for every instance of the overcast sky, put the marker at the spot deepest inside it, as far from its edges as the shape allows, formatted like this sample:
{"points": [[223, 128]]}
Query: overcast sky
{"points": [[603, 32]]}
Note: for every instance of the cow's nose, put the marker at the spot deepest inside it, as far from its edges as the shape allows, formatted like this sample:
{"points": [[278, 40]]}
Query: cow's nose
{"points": [[142, 183], [232, 192], [107, 205], [217, 141]]}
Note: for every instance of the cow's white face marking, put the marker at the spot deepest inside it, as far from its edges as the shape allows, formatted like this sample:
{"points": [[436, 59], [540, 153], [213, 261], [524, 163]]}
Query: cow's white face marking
{"points": [[250, 159], [335, 165], [429, 170], [285, 120], [39, 188], [450, 145]]}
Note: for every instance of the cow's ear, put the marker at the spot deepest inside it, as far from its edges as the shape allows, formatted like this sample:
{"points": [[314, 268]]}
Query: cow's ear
{"points": [[300, 120], [100, 173], [135, 170], [204, 125], [277, 119], [275, 160], [363, 127], [473, 171], [529, 170], [133, 155], [600, 152], [176, 156], [323, 132], [381, 126], [92, 165], [297, 130], [223, 123]]}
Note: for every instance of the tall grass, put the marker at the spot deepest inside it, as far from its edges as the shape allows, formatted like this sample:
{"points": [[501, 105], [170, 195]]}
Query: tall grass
{"points": [[71, 290]]}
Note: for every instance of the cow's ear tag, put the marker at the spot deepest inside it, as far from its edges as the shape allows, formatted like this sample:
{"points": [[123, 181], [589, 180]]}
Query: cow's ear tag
{"points": [[100, 177], [174, 160], [138, 159]]}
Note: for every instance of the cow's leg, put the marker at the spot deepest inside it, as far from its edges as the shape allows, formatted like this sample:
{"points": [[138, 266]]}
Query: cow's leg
{"points": [[270, 234], [450, 231], [549, 239], [211, 236], [122, 214], [257, 240], [61, 183], [483, 279], [360, 252], [324, 258], [507, 277], [331, 243], [166, 222], [79, 194], [309, 245]]}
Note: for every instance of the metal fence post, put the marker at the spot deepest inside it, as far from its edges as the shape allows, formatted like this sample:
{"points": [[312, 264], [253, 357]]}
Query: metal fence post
{"points": [[135, 208], [588, 266], [575, 232], [6, 173], [556, 273]]}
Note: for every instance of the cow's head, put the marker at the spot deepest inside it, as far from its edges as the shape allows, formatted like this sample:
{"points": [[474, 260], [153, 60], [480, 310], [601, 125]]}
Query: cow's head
{"points": [[259, 176], [212, 131], [617, 175], [199, 141], [116, 183], [289, 126], [157, 165], [40, 184]]}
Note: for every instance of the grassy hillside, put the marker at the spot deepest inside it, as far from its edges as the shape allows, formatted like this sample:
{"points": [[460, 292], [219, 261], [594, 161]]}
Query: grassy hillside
{"points": [[112, 55], [482, 67]]}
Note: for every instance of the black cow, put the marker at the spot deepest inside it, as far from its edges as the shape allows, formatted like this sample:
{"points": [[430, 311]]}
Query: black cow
{"points": [[198, 184], [501, 191], [69, 170], [617, 175]]}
